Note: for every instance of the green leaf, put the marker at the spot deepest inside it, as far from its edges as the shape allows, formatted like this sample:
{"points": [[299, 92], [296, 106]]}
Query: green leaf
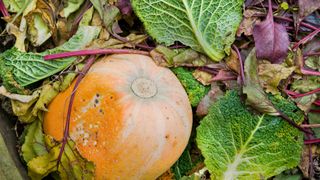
{"points": [[237, 144], [256, 97], [195, 90], [183, 165], [27, 68], [34, 144], [207, 26]]}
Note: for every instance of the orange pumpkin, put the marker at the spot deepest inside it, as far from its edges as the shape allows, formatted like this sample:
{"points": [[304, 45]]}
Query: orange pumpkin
{"points": [[130, 117]]}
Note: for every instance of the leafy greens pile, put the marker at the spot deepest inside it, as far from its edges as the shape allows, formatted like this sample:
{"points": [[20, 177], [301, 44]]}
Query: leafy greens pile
{"points": [[251, 69]]}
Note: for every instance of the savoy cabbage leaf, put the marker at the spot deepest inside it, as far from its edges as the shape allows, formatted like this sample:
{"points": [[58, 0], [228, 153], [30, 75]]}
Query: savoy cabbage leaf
{"points": [[237, 144], [21, 69], [205, 25]]}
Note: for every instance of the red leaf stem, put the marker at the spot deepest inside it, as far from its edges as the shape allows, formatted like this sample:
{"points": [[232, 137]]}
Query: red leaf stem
{"points": [[94, 52], [312, 141], [241, 64], [3, 9], [317, 103], [306, 38], [85, 69], [297, 95], [309, 72], [312, 54], [315, 110]]}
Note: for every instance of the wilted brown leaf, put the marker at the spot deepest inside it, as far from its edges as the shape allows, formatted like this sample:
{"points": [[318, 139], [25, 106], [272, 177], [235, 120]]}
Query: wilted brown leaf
{"points": [[202, 76], [270, 75], [248, 22], [232, 61]]}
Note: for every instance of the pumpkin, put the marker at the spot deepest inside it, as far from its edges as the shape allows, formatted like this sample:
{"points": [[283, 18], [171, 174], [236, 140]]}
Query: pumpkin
{"points": [[130, 117]]}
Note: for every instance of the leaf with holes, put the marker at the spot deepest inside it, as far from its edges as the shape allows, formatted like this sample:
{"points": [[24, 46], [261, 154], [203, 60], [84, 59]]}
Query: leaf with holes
{"points": [[237, 144], [207, 26]]}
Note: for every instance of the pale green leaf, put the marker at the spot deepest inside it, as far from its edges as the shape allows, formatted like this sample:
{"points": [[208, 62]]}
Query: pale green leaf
{"points": [[237, 144], [71, 6], [34, 144], [14, 5], [205, 25]]}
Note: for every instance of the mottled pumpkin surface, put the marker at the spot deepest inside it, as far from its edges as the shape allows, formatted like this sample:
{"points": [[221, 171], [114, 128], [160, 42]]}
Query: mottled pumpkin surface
{"points": [[130, 117]]}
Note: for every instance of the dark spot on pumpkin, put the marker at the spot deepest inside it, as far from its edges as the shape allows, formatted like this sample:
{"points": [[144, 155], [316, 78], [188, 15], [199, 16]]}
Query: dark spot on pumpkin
{"points": [[101, 111], [111, 97], [83, 100], [167, 136], [96, 101], [97, 94], [167, 118]]}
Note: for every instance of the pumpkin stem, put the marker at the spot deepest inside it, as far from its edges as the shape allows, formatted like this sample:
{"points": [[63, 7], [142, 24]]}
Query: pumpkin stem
{"points": [[144, 88], [81, 75]]}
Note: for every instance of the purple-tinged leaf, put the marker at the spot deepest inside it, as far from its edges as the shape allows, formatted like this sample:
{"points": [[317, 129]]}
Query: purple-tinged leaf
{"points": [[209, 99], [271, 39], [306, 7], [224, 75], [125, 7]]}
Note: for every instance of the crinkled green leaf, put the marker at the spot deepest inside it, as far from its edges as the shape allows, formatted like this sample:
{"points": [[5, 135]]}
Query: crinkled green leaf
{"points": [[207, 26], [72, 166], [71, 6], [237, 144], [256, 97], [34, 144], [270, 75], [27, 68], [195, 90]]}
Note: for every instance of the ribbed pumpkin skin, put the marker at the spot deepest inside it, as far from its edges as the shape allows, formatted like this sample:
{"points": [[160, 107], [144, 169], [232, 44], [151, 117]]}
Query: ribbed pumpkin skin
{"points": [[126, 136]]}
